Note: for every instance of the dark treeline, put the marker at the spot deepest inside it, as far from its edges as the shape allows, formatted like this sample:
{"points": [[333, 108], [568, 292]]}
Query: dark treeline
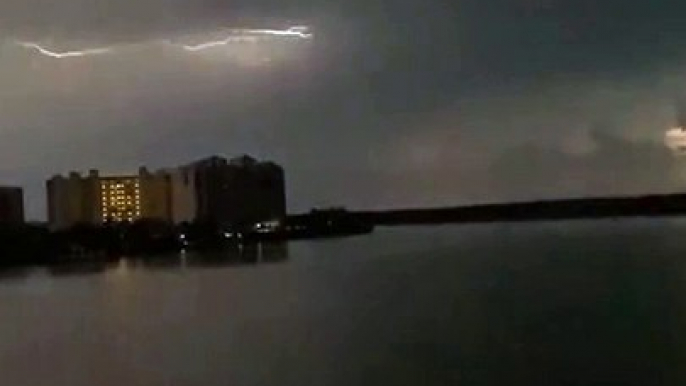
{"points": [[23, 245], [587, 208], [324, 223]]}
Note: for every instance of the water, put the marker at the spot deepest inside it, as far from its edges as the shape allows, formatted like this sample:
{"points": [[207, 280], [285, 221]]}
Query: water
{"points": [[578, 303]]}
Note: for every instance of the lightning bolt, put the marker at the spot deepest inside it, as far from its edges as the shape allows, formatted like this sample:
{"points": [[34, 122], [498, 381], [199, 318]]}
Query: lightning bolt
{"points": [[215, 43], [301, 32], [234, 36], [66, 54], [251, 35]]}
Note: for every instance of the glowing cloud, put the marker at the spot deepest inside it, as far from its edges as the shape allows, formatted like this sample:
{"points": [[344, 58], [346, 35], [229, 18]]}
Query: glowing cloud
{"points": [[675, 139]]}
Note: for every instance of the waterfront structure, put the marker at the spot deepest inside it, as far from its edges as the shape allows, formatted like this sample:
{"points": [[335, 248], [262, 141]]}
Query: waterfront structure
{"points": [[73, 199], [96, 199], [155, 195], [183, 195], [240, 191], [237, 192], [11, 205]]}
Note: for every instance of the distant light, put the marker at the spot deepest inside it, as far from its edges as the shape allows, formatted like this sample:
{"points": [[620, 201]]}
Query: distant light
{"points": [[675, 139]]}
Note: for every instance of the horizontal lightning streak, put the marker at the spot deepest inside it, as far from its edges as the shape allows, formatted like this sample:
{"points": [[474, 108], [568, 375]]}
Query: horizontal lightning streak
{"points": [[66, 54], [216, 43], [235, 36], [251, 35]]}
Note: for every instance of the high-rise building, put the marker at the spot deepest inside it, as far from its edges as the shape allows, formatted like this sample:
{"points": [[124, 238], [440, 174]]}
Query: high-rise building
{"points": [[73, 199], [183, 195], [155, 194], [11, 205], [96, 199], [236, 192], [241, 191]]}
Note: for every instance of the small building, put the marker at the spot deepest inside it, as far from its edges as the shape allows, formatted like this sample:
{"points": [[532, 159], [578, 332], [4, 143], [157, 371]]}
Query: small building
{"points": [[11, 205]]}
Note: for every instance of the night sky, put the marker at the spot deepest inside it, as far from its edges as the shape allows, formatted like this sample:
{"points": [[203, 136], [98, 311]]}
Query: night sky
{"points": [[392, 104]]}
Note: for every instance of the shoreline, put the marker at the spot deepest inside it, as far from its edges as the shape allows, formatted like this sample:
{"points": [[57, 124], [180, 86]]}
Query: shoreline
{"points": [[666, 205]]}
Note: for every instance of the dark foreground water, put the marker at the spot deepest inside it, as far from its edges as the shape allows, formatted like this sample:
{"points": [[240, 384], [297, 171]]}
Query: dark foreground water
{"points": [[582, 303]]}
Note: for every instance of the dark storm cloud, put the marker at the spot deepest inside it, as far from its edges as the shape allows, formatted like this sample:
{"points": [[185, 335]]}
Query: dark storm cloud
{"points": [[394, 103], [614, 166]]}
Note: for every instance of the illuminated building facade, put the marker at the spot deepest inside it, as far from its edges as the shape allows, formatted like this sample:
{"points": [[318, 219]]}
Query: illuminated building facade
{"points": [[120, 199], [241, 191], [96, 199]]}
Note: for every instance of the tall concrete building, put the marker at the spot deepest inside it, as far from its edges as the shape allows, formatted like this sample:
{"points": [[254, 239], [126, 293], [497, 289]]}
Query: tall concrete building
{"points": [[73, 199], [257, 190], [183, 194], [96, 199], [11, 205], [236, 192], [231, 192], [155, 194]]}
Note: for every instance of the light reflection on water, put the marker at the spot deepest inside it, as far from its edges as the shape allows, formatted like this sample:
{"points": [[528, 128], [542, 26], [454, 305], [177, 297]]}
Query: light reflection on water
{"points": [[567, 303]]}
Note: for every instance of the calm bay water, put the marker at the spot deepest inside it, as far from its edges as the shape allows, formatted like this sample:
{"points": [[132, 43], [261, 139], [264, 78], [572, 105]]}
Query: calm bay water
{"points": [[577, 303]]}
